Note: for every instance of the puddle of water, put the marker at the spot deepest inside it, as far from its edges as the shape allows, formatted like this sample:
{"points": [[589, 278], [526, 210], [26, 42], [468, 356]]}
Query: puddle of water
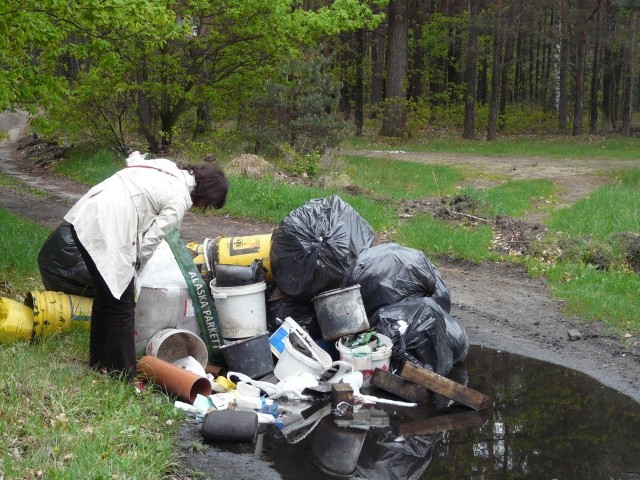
{"points": [[546, 422]]}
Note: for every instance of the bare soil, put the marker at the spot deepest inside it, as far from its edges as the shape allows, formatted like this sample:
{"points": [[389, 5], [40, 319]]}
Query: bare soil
{"points": [[499, 305]]}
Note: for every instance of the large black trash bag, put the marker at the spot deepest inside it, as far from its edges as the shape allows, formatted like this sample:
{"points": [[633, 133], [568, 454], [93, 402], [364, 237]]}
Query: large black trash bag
{"points": [[390, 273], [316, 245], [383, 457], [422, 333], [61, 265]]}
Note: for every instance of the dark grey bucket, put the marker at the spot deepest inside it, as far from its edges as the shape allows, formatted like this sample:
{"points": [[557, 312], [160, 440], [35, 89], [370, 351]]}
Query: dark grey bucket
{"points": [[251, 356], [340, 312], [336, 450]]}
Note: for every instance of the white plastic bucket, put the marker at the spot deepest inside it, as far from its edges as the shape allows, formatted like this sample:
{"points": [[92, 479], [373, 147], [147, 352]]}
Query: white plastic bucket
{"points": [[173, 344], [292, 361], [367, 362], [242, 310]]}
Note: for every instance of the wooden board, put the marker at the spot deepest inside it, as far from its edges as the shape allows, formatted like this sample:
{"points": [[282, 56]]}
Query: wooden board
{"points": [[445, 387]]}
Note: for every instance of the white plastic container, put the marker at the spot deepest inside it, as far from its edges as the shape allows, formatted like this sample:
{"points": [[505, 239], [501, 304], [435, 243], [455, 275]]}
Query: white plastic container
{"points": [[242, 310], [367, 362], [292, 361]]}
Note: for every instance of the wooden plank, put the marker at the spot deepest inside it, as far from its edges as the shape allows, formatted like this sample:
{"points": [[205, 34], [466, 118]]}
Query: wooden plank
{"points": [[443, 423], [404, 389], [445, 387]]}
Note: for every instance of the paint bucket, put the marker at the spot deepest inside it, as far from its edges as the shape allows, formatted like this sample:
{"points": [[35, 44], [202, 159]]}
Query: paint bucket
{"points": [[251, 356], [336, 450], [171, 344], [241, 251], [16, 321], [366, 359], [173, 380], [292, 361], [340, 312], [57, 311], [242, 310]]}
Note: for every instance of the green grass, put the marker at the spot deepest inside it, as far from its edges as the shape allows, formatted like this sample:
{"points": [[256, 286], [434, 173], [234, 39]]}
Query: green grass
{"points": [[62, 421], [402, 180], [271, 200], [608, 210], [20, 242], [438, 238], [549, 146], [513, 198], [89, 167], [591, 294]]}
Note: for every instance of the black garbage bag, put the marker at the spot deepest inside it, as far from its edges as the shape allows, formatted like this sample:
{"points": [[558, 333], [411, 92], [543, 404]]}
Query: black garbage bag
{"points": [[422, 333], [299, 310], [61, 265], [383, 457], [390, 273], [316, 245]]}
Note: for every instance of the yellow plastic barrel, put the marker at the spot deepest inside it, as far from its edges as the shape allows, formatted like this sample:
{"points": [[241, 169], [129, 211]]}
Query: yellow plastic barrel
{"points": [[57, 311], [243, 251], [16, 321]]}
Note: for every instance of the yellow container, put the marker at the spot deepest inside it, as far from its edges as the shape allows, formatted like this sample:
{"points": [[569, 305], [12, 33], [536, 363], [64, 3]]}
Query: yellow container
{"points": [[57, 311], [16, 321], [243, 251]]}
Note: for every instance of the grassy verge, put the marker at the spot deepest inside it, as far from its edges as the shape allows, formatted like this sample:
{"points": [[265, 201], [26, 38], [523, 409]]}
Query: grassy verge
{"points": [[61, 420], [20, 242]]}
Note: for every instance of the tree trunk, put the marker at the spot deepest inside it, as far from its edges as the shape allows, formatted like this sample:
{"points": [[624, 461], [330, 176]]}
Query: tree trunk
{"points": [[595, 72], [419, 16], [395, 111], [564, 65], [378, 37], [470, 71], [578, 106], [629, 77], [358, 108], [494, 104], [608, 82]]}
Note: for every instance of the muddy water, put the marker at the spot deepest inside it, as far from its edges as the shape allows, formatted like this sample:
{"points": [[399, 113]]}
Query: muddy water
{"points": [[546, 422]]}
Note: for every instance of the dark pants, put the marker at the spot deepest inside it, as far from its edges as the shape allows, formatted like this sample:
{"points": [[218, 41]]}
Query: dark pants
{"points": [[112, 336]]}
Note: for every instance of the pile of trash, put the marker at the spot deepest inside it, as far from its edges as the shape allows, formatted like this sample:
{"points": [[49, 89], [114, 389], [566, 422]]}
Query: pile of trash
{"points": [[244, 331]]}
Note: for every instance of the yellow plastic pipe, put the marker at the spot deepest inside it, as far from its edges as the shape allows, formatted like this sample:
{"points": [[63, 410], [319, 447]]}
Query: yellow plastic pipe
{"points": [[16, 321]]}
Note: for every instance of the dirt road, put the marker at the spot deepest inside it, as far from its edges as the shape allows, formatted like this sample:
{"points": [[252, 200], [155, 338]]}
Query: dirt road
{"points": [[498, 304]]}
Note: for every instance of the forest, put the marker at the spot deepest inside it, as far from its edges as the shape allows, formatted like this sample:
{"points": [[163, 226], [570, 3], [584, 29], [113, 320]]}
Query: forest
{"points": [[301, 74]]}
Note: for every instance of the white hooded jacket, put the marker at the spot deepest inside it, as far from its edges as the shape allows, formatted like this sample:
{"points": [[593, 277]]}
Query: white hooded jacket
{"points": [[123, 219]]}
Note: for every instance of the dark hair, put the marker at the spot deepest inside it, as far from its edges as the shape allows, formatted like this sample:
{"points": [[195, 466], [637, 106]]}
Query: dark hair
{"points": [[211, 186]]}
